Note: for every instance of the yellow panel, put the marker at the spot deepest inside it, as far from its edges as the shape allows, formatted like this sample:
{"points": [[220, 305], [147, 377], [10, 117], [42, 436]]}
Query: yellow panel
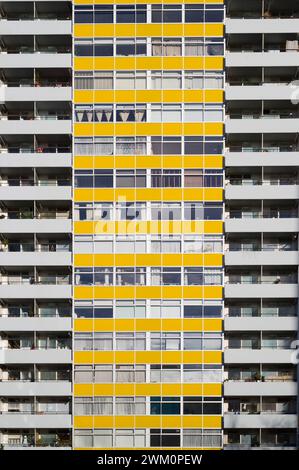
{"points": [[83, 390], [82, 422], [103, 421], [148, 389], [83, 357], [124, 389], [83, 325], [147, 129], [148, 96], [148, 259], [149, 194], [212, 422], [148, 30], [147, 292], [212, 389], [153, 227], [148, 324], [142, 162], [148, 63]]}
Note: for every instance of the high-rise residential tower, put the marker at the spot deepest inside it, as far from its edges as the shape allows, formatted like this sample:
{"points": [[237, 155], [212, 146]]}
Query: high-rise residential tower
{"points": [[148, 224]]}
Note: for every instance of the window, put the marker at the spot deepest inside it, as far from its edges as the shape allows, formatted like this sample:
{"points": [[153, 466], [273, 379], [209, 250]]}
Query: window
{"points": [[83, 374], [130, 47], [171, 47], [165, 276], [165, 341], [83, 14], [166, 13], [194, 13], [194, 80], [130, 373], [166, 178], [130, 406], [130, 341], [103, 14], [170, 211], [103, 47], [131, 113], [84, 47], [165, 438], [166, 146], [84, 81], [83, 438], [165, 406], [103, 80], [194, 47], [130, 13]]}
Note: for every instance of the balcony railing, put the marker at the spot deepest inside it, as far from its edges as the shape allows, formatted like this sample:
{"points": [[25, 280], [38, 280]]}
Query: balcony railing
{"points": [[266, 149], [280, 181], [26, 247], [34, 117], [37, 50], [42, 148], [28, 214], [23, 83], [31, 182]]}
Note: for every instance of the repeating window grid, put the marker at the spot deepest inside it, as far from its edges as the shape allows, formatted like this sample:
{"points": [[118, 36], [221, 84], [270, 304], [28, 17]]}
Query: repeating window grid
{"points": [[147, 76], [149, 12]]}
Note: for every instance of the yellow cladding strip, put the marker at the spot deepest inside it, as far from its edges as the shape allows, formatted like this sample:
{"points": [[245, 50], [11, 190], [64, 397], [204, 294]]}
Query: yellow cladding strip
{"points": [[148, 63], [148, 227], [154, 421], [148, 292], [148, 324], [148, 357], [148, 389], [148, 96], [144, 2], [148, 259], [148, 30], [147, 129], [148, 194], [146, 161]]}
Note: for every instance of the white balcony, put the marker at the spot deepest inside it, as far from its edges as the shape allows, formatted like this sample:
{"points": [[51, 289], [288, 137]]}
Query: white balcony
{"points": [[269, 125], [28, 291], [257, 192], [35, 324], [258, 356], [36, 258], [266, 225], [256, 291], [265, 91], [23, 389], [46, 421], [29, 93], [36, 160], [261, 25], [261, 258], [36, 126], [35, 225], [35, 26], [264, 389], [262, 59], [36, 60], [29, 193], [256, 421], [268, 159], [35, 356], [259, 323]]}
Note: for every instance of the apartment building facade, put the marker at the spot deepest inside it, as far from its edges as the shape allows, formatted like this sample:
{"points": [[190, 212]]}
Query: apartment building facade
{"points": [[139, 309]]}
